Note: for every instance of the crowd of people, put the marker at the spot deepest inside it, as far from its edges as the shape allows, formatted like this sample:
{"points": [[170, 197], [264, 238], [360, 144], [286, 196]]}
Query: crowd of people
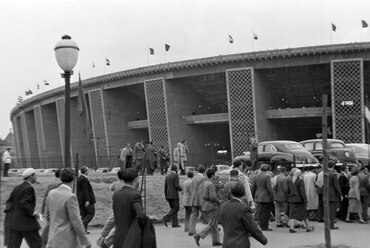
{"points": [[244, 201], [148, 158]]}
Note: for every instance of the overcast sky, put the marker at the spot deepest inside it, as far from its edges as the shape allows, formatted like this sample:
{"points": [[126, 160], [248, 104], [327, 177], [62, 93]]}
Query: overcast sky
{"points": [[122, 31]]}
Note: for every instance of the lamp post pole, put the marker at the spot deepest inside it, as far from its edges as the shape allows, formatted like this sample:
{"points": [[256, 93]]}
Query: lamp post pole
{"points": [[66, 54], [67, 119]]}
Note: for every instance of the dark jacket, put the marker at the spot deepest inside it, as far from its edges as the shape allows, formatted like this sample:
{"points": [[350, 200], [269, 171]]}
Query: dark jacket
{"points": [[84, 191], [141, 237], [343, 182], [127, 205], [364, 186], [21, 207], [296, 191], [334, 189], [238, 223], [172, 186], [262, 188], [281, 188]]}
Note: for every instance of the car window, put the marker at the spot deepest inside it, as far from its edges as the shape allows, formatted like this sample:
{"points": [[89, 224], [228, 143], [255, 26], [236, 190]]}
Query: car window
{"points": [[270, 148], [260, 149], [337, 145], [318, 146], [308, 146], [292, 146]]}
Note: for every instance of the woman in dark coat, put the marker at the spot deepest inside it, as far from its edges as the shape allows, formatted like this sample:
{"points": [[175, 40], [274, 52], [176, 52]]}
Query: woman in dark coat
{"points": [[297, 201]]}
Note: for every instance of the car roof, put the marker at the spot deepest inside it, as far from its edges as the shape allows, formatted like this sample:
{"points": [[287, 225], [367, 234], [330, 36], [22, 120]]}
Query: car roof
{"points": [[313, 140], [277, 142]]}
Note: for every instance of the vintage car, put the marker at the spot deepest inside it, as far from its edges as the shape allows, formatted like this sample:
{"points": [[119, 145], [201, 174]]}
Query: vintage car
{"points": [[362, 152], [336, 149], [284, 152]]}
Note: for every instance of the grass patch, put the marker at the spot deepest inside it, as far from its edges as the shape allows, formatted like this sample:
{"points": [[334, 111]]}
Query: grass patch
{"points": [[156, 205]]}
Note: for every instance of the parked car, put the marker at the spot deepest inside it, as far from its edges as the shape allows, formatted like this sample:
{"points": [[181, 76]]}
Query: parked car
{"points": [[12, 172], [39, 171], [102, 170], [50, 170], [192, 169], [114, 170], [362, 152], [284, 152], [222, 167], [336, 149]]}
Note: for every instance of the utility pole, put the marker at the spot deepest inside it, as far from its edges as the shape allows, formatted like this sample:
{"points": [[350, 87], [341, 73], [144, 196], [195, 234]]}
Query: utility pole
{"points": [[325, 170]]}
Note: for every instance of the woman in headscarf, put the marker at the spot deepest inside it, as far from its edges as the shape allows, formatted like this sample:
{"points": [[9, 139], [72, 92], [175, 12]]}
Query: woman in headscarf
{"points": [[297, 201]]}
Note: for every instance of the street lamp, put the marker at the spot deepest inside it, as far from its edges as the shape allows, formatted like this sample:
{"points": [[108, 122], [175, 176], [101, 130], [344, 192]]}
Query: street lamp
{"points": [[66, 53]]}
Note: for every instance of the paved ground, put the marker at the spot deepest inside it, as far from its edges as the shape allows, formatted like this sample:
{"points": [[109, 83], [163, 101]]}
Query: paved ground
{"points": [[354, 234]]}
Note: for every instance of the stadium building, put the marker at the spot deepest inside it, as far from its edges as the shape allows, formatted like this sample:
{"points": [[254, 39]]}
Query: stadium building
{"points": [[216, 104]]}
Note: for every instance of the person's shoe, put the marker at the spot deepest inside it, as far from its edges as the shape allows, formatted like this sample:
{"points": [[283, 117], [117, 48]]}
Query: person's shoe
{"points": [[279, 225], [266, 229], [362, 222], [292, 230], [165, 222], [348, 221], [176, 226], [191, 234], [196, 238], [310, 229], [87, 232], [321, 221], [334, 227], [217, 244]]}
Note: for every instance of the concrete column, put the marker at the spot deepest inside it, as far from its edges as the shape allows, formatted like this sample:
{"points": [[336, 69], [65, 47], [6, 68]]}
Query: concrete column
{"points": [[347, 92], [27, 152], [242, 110], [18, 136], [40, 135], [52, 135], [98, 118]]}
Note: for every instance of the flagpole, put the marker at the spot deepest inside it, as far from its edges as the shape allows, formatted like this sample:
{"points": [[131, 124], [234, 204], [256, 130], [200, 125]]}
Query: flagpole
{"points": [[331, 33], [147, 59], [165, 53]]}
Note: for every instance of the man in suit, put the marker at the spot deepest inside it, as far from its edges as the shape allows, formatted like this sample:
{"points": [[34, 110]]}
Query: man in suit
{"points": [[237, 221], [364, 188], [195, 199], [86, 197], [280, 190], [127, 205], [55, 184], [262, 192], [62, 215], [210, 208], [171, 193], [126, 156], [186, 186], [335, 194], [21, 215], [344, 188]]}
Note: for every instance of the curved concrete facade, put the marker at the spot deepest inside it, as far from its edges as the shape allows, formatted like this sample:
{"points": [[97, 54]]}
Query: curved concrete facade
{"points": [[214, 103]]}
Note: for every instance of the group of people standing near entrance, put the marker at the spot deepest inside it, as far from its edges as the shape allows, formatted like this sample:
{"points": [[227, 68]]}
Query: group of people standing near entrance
{"points": [[146, 157]]}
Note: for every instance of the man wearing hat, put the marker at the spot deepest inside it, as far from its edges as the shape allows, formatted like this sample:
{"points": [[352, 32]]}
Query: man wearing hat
{"points": [[21, 214]]}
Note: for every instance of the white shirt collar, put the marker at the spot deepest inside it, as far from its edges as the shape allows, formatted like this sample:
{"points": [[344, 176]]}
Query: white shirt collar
{"points": [[237, 199]]}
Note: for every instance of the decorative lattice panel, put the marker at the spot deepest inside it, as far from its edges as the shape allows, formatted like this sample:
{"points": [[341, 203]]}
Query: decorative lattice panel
{"points": [[156, 111], [241, 109], [348, 101], [98, 126], [60, 116], [40, 135]]}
